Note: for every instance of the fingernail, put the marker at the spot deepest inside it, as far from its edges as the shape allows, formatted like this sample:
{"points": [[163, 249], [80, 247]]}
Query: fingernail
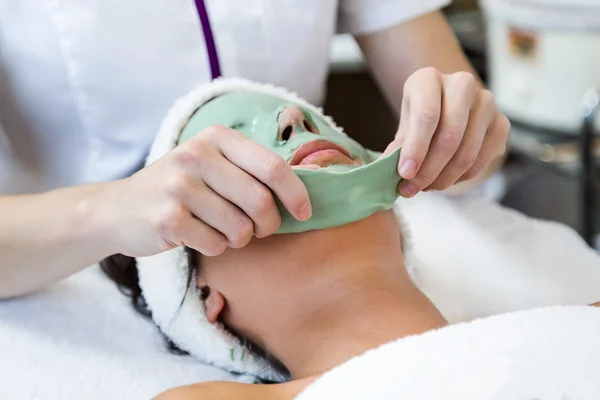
{"points": [[305, 211], [408, 190], [408, 169]]}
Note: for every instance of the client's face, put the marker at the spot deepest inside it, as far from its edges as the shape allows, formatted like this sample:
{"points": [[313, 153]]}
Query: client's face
{"points": [[296, 134], [288, 275]]}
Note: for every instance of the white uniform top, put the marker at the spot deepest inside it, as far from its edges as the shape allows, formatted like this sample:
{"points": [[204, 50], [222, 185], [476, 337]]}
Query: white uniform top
{"points": [[84, 84]]}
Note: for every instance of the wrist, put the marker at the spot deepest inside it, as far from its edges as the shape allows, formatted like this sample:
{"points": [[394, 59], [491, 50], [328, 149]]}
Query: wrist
{"points": [[96, 220]]}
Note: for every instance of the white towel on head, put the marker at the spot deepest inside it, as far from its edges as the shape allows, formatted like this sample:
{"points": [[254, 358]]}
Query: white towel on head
{"points": [[82, 339], [546, 354], [164, 277]]}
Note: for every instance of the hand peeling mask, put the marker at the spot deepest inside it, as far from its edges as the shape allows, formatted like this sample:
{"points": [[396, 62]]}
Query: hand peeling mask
{"points": [[352, 182]]}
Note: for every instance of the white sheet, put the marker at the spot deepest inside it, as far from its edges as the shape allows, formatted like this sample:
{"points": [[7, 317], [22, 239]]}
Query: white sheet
{"points": [[477, 258], [549, 354], [82, 340]]}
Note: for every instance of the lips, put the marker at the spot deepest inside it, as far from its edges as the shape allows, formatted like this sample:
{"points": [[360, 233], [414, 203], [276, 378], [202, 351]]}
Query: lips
{"points": [[322, 153]]}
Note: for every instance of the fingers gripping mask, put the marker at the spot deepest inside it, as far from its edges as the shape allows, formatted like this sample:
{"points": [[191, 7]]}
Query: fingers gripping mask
{"points": [[351, 184]]}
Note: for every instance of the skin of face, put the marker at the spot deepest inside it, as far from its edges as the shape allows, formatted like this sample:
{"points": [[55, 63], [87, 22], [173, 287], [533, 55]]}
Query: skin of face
{"points": [[280, 126], [302, 137], [294, 133]]}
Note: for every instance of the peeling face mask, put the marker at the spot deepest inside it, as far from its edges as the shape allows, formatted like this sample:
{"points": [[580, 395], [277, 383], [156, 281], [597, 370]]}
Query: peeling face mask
{"points": [[351, 183]]}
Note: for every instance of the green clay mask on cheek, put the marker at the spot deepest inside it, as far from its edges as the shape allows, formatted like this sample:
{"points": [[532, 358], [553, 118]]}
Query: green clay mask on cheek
{"points": [[339, 193], [339, 198]]}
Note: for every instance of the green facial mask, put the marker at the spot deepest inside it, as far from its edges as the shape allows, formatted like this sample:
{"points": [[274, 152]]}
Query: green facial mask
{"points": [[339, 194]]}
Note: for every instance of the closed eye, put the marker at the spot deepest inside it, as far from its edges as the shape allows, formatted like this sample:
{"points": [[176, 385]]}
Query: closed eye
{"points": [[237, 125]]}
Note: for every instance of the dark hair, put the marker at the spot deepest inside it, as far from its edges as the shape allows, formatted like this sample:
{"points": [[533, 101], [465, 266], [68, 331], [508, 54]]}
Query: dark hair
{"points": [[123, 271]]}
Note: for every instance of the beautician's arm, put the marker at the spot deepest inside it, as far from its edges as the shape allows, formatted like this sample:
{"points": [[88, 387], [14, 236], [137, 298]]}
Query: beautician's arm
{"points": [[184, 198], [46, 237], [396, 53]]}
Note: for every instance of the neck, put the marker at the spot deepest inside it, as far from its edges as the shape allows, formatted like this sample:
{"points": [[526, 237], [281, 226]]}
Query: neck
{"points": [[342, 330], [363, 298]]}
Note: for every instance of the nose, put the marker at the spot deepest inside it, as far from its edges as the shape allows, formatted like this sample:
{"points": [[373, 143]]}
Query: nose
{"points": [[291, 119]]}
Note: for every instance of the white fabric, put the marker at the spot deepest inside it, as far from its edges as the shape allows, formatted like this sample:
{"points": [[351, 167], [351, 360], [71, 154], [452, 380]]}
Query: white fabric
{"points": [[14, 178], [84, 85], [164, 277], [6, 157], [476, 258], [368, 16], [550, 354], [5, 147], [82, 340]]}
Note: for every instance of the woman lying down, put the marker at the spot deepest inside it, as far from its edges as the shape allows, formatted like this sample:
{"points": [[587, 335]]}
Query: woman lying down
{"points": [[286, 309]]}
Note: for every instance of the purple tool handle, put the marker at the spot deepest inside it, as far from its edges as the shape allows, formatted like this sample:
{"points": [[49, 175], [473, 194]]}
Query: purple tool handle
{"points": [[213, 57]]}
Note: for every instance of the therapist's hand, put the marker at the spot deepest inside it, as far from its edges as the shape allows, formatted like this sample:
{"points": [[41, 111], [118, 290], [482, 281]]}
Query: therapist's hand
{"points": [[450, 130], [212, 192]]}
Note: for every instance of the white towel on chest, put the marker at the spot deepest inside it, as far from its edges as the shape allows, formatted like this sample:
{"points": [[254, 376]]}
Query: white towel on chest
{"points": [[544, 354]]}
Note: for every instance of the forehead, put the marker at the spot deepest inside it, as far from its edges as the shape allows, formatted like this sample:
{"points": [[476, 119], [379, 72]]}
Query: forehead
{"points": [[254, 114], [243, 103]]}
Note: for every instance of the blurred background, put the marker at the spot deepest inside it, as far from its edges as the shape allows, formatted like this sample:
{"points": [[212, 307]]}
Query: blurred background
{"points": [[541, 58]]}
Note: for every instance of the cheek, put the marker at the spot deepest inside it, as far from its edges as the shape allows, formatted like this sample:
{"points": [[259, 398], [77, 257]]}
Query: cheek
{"points": [[217, 272], [231, 273], [242, 274]]}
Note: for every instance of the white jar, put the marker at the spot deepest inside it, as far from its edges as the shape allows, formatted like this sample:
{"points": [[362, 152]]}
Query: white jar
{"points": [[542, 57]]}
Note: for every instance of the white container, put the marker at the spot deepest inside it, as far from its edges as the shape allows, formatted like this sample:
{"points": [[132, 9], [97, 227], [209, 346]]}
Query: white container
{"points": [[542, 57]]}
